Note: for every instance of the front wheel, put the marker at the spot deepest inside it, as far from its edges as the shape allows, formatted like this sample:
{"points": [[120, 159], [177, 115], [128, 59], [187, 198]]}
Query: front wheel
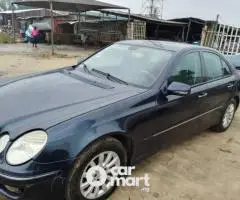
{"points": [[90, 176], [227, 117]]}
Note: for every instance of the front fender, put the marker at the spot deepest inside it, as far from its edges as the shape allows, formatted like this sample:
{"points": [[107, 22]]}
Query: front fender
{"points": [[68, 139]]}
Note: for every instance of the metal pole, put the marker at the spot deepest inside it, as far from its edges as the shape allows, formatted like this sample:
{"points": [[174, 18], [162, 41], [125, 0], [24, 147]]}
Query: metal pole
{"points": [[162, 6], [78, 23], [183, 30], [13, 24], [189, 26], [116, 28], [52, 27]]}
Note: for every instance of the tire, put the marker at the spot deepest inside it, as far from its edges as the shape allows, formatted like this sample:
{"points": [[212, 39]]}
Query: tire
{"points": [[222, 127], [76, 175]]}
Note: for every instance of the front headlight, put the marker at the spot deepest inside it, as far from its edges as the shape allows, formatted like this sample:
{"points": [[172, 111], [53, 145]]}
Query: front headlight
{"points": [[26, 147]]}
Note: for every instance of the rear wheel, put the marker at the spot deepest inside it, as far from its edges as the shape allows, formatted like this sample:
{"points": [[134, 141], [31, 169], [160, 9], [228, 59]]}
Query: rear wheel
{"points": [[90, 176], [227, 117]]}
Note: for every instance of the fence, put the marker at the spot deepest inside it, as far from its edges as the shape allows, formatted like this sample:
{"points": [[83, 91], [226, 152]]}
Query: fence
{"points": [[136, 30], [223, 38]]}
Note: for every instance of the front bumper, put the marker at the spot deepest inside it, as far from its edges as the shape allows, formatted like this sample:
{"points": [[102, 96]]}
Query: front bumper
{"points": [[36, 187], [44, 185]]}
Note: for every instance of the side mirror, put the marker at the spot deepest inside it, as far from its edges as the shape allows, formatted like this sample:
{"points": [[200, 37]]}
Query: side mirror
{"points": [[180, 89], [237, 67]]}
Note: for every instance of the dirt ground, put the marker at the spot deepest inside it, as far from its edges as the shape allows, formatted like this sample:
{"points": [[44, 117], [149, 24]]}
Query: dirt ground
{"points": [[206, 167]]}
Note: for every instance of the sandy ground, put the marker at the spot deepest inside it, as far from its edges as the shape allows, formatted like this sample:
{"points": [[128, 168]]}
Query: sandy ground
{"points": [[206, 167]]}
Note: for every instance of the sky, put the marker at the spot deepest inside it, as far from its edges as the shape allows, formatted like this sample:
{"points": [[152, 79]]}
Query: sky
{"points": [[229, 10]]}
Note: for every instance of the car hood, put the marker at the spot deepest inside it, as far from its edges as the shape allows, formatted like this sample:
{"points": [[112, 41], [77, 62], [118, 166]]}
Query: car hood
{"points": [[44, 100]]}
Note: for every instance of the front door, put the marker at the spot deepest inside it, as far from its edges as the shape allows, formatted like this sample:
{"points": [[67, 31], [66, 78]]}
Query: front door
{"points": [[174, 117]]}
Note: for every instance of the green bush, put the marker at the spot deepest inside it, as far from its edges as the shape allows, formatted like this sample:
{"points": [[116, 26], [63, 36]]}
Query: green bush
{"points": [[4, 38]]}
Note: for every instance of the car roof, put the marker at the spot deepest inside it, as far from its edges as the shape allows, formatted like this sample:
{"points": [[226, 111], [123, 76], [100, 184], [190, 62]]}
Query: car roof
{"points": [[166, 45]]}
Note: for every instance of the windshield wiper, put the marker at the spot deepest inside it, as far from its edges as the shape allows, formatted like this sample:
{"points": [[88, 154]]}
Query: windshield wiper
{"points": [[109, 76], [85, 67]]}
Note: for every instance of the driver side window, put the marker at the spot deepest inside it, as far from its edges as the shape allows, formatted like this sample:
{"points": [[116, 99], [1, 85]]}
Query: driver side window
{"points": [[188, 70]]}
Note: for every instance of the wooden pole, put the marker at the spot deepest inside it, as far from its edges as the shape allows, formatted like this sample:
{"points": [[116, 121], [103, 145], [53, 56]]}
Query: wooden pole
{"points": [[52, 27], [13, 25], [215, 31], [129, 15]]}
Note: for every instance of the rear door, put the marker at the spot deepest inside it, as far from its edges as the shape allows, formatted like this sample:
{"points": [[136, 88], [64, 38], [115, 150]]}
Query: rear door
{"points": [[218, 87]]}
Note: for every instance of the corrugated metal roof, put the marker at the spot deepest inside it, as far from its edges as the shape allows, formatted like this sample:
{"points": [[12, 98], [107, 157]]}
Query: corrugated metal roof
{"points": [[187, 19], [20, 11], [144, 18], [69, 5], [32, 10]]}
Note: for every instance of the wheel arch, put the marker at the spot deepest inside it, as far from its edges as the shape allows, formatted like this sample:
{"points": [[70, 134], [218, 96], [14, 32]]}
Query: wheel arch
{"points": [[125, 140], [236, 98]]}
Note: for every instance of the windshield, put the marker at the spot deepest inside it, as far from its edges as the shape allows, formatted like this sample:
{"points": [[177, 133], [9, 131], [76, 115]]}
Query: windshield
{"points": [[135, 65]]}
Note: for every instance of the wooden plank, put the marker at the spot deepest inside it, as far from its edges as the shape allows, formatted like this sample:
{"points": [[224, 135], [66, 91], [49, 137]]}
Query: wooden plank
{"points": [[225, 41], [218, 34], [230, 41], [237, 51], [222, 38], [234, 42]]}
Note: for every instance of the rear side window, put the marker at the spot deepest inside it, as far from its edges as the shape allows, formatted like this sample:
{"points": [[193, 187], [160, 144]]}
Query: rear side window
{"points": [[215, 66], [226, 69], [188, 70]]}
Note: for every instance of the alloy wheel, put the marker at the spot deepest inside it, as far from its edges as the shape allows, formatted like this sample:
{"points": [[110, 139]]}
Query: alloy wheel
{"points": [[228, 115], [97, 176]]}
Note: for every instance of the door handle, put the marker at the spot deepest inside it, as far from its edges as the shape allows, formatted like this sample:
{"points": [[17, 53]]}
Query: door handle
{"points": [[202, 95], [230, 85]]}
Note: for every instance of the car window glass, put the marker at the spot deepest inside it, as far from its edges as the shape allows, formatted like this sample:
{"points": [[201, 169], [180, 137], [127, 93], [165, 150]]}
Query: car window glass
{"points": [[234, 60], [188, 70], [214, 66], [226, 69]]}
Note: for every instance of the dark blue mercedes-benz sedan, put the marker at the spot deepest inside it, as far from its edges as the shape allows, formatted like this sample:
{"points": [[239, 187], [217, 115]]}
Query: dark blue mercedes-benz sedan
{"points": [[112, 109]]}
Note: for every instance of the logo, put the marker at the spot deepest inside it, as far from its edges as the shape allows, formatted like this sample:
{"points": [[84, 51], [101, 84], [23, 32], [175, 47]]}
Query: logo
{"points": [[119, 176], [96, 176]]}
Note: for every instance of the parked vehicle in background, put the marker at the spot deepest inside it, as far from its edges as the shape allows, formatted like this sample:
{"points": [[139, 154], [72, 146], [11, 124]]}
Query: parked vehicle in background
{"points": [[113, 109], [234, 60]]}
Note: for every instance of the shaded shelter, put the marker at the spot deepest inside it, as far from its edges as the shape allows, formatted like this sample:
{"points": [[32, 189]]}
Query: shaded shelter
{"points": [[66, 5], [157, 29], [194, 28]]}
